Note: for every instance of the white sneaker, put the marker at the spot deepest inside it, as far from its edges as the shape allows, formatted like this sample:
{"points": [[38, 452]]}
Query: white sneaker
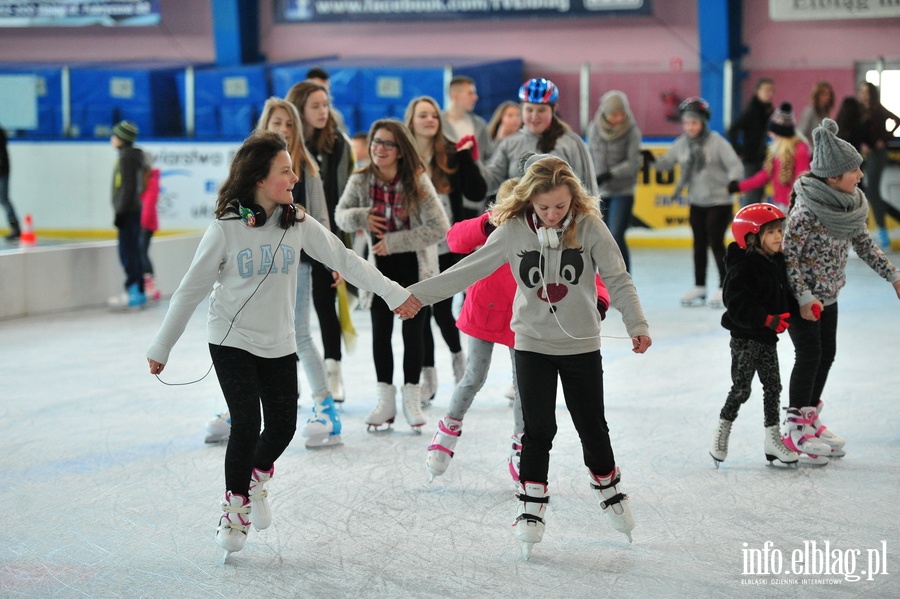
{"points": [[694, 297]]}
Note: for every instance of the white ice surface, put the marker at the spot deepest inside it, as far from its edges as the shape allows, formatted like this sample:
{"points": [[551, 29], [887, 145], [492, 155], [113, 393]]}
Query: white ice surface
{"points": [[109, 491]]}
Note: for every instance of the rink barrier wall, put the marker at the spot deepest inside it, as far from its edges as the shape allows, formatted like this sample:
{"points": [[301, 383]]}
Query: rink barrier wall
{"points": [[60, 278]]}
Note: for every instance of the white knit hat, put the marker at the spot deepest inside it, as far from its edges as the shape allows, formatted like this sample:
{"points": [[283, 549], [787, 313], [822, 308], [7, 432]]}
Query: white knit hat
{"points": [[832, 156]]}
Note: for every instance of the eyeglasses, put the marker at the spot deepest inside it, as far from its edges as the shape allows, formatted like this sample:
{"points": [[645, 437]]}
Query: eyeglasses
{"points": [[387, 145]]}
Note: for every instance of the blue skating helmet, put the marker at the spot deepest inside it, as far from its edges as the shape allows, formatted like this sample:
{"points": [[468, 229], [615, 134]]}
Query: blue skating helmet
{"points": [[539, 91]]}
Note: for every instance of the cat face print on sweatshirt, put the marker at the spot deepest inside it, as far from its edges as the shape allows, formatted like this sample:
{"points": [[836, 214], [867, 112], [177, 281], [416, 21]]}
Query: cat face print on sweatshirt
{"points": [[551, 287]]}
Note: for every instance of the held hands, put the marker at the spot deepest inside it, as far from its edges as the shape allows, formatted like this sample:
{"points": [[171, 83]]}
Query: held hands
{"points": [[338, 279], [409, 308], [155, 367], [778, 322], [640, 344], [468, 142], [734, 187], [811, 311]]}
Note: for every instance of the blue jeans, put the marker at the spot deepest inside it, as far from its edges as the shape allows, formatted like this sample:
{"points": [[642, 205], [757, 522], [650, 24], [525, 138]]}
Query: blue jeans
{"points": [[130, 249], [307, 352], [146, 237], [617, 216]]}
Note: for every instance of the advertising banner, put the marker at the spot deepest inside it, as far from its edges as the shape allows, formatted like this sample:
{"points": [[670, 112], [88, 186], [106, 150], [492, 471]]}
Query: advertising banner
{"points": [[79, 13], [311, 11]]}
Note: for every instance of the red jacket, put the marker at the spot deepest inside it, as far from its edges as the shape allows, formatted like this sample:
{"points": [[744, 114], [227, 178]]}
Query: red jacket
{"points": [[487, 311], [149, 216]]}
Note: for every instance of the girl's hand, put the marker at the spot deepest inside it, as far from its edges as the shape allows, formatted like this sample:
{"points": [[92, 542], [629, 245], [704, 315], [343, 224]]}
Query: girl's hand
{"points": [[377, 224], [808, 313], [409, 308], [380, 248], [338, 279], [155, 367], [640, 344]]}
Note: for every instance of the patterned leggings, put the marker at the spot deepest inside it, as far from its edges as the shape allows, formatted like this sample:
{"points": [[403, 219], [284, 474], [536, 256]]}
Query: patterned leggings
{"points": [[748, 358]]}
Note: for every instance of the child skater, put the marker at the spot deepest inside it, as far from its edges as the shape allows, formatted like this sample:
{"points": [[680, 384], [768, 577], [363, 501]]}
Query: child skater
{"points": [[484, 318], [249, 255], [149, 224], [788, 158], [827, 216], [708, 163], [550, 233], [758, 303], [395, 201]]}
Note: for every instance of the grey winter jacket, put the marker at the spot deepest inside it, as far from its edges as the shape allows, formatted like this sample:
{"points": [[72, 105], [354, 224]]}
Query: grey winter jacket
{"points": [[708, 186]]}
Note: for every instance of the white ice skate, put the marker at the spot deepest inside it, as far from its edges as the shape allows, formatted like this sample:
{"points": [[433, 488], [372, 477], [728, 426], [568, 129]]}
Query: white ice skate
{"points": [[716, 300], [459, 365], [614, 503], [719, 450], [219, 428], [386, 409], [335, 380], [695, 297], [529, 524], [776, 449], [234, 523], [442, 445], [799, 436], [515, 457], [323, 429], [428, 383], [412, 406], [260, 510], [835, 442]]}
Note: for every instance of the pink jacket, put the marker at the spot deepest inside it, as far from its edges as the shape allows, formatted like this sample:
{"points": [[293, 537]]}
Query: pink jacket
{"points": [[149, 197], [487, 311], [781, 192]]}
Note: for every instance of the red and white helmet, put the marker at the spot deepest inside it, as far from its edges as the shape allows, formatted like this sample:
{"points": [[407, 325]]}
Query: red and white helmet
{"points": [[750, 219]]}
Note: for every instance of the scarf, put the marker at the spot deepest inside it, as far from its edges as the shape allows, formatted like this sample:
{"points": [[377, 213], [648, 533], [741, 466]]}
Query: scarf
{"points": [[843, 214], [610, 132], [696, 161]]}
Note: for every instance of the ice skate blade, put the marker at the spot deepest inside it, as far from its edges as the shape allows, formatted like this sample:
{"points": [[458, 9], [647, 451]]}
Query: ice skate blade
{"points": [[417, 428], [215, 439], [715, 461], [526, 550], [322, 442], [628, 534], [696, 303], [376, 428], [813, 460]]}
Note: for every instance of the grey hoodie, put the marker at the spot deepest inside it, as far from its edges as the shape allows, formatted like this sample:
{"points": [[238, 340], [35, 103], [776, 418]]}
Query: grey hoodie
{"points": [[621, 155], [708, 186]]}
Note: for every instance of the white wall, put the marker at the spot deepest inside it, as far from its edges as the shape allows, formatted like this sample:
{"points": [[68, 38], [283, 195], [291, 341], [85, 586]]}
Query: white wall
{"points": [[67, 186]]}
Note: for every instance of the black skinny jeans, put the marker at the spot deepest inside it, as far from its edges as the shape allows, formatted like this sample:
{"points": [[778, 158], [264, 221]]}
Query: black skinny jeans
{"points": [[582, 383], [443, 316], [815, 345], [323, 295], [708, 224], [404, 269], [248, 381]]}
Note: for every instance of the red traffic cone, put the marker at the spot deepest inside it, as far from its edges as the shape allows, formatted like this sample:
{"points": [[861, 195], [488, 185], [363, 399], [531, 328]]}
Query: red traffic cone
{"points": [[27, 238]]}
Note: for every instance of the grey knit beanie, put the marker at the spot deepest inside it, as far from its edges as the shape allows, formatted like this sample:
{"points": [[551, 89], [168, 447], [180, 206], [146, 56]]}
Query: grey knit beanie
{"points": [[832, 156]]}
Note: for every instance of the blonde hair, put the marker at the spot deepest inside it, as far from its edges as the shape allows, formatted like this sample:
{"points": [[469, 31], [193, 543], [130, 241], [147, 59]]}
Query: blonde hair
{"points": [[515, 195], [441, 146], [783, 149], [296, 146]]}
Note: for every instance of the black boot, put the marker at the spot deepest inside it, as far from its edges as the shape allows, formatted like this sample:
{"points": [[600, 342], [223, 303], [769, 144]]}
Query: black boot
{"points": [[14, 232]]}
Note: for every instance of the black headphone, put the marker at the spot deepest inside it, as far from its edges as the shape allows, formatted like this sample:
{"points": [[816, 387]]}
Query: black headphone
{"points": [[254, 216], [550, 237]]}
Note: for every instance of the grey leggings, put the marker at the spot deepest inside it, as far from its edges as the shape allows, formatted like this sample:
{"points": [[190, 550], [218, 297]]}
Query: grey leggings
{"points": [[478, 363], [750, 357]]}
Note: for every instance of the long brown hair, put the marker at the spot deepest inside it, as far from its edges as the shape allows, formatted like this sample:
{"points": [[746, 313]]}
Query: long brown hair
{"points": [[822, 111], [296, 147], [409, 164], [497, 118], [443, 148], [250, 165], [323, 139], [514, 196]]}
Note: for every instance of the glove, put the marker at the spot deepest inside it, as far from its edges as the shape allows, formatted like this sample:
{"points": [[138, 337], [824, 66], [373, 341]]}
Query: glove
{"points": [[817, 311], [603, 178], [474, 149], [602, 308], [488, 227], [734, 187], [778, 322]]}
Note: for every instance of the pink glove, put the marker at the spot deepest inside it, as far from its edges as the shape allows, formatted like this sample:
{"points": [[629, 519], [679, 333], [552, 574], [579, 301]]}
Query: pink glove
{"points": [[474, 149]]}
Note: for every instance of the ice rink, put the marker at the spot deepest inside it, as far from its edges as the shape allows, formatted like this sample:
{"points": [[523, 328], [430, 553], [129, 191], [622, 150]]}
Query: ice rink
{"points": [[110, 490]]}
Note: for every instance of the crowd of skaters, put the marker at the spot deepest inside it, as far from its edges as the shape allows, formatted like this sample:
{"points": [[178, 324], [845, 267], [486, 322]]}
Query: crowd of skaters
{"points": [[393, 193]]}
